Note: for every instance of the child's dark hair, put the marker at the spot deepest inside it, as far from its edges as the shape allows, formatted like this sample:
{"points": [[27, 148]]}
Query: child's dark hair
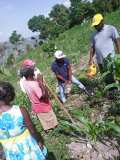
{"points": [[28, 72], [7, 92]]}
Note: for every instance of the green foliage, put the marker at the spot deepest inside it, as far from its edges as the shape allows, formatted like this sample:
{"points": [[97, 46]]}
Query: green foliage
{"points": [[4, 71], [60, 15], [80, 10], [75, 45], [10, 60], [39, 24], [22, 99], [104, 6], [111, 66], [36, 22], [62, 18], [110, 86], [49, 47], [117, 67], [90, 130], [46, 27], [71, 42], [15, 37]]}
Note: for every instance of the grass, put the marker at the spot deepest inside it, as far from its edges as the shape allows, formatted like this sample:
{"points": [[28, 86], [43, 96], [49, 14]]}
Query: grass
{"points": [[75, 43]]}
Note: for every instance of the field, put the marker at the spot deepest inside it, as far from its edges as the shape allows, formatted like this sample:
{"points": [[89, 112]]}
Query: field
{"points": [[97, 119]]}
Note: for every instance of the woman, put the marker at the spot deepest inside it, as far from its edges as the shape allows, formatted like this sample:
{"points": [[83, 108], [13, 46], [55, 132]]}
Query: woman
{"points": [[37, 74], [18, 136], [39, 99]]}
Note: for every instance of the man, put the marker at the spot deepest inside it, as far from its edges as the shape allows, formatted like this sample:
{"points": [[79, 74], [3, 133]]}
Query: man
{"points": [[62, 69], [103, 41]]}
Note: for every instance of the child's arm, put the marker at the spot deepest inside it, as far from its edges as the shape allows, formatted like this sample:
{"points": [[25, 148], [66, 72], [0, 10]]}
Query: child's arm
{"points": [[31, 127]]}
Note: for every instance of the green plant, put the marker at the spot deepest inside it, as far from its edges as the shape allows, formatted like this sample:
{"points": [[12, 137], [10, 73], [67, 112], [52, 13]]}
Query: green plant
{"points": [[117, 67], [10, 60], [49, 47]]}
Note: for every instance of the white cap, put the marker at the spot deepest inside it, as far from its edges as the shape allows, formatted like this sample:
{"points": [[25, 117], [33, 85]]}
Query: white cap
{"points": [[59, 54]]}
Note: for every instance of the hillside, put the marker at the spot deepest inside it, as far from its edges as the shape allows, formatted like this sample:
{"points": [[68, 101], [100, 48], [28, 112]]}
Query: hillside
{"points": [[74, 42], [97, 119]]}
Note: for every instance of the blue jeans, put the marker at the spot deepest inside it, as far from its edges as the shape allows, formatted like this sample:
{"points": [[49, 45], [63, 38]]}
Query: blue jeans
{"points": [[62, 88]]}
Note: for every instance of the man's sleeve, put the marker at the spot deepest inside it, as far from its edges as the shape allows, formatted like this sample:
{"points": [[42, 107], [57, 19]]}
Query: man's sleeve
{"points": [[53, 68], [67, 61], [114, 33]]}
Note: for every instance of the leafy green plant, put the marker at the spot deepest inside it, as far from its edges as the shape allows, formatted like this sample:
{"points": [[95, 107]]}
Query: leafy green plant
{"points": [[92, 131], [110, 86], [10, 60], [117, 67], [48, 47], [4, 71]]}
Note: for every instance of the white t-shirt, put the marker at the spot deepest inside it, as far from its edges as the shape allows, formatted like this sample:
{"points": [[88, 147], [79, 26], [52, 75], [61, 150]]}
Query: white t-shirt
{"points": [[103, 42], [36, 72]]}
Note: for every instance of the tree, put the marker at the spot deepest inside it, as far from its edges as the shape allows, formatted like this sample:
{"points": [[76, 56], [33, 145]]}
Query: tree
{"points": [[60, 15], [104, 6], [80, 10], [15, 38], [47, 28], [1, 50], [55, 30], [115, 4], [35, 24], [40, 24]]}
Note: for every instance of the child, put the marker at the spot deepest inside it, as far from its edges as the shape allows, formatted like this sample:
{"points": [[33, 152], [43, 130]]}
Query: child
{"points": [[37, 74], [40, 102], [17, 133]]}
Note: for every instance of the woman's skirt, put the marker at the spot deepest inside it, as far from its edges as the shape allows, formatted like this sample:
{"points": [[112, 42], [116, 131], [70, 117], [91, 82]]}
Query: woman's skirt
{"points": [[48, 120]]}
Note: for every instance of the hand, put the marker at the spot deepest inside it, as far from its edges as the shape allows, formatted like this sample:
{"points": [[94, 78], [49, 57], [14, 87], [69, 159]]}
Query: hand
{"points": [[67, 82], [41, 145]]}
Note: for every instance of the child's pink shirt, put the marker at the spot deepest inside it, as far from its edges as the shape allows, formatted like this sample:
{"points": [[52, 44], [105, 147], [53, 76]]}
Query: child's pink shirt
{"points": [[34, 93]]}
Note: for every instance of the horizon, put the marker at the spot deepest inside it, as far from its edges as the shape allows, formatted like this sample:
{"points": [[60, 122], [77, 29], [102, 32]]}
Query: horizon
{"points": [[19, 15]]}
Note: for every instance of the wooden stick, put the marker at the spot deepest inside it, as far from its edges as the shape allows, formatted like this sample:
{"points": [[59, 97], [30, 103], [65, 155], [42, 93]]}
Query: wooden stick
{"points": [[58, 101]]}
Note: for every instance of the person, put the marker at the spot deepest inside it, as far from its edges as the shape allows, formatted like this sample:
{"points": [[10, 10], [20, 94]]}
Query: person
{"points": [[18, 136], [41, 104], [62, 69], [102, 45], [37, 73]]}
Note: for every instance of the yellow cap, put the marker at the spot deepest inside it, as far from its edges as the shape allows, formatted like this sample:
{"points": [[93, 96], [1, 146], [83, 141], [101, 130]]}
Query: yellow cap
{"points": [[97, 19]]}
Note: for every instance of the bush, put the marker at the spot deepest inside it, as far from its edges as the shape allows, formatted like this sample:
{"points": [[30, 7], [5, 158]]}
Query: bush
{"points": [[49, 47], [10, 60]]}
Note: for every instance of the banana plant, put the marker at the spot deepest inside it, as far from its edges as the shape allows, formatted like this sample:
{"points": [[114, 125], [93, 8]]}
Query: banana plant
{"points": [[117, 67], [4, 71]]}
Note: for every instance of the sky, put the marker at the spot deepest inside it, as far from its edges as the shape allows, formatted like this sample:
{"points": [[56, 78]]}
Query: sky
{"points": [[14, 15]]}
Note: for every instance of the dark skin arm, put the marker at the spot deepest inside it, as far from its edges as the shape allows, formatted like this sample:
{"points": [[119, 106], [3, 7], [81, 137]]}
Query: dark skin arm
{"points": [[117, 43], [61, 78], [91, 54], [69, 70], [31, 127]]}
